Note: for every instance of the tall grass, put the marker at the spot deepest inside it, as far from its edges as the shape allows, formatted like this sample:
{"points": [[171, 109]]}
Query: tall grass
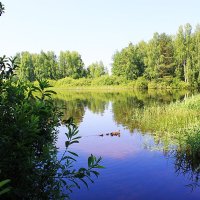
{"points": [[176, 122]]}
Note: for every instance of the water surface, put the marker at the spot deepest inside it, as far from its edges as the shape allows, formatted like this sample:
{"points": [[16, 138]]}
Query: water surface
{"points": [[135, 167]]}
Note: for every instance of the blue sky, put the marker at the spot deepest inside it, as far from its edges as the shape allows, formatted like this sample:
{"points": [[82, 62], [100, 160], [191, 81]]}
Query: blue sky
{"points": [[94, 28]]}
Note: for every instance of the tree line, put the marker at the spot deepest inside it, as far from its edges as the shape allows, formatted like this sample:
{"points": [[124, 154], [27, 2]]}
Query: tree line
{"points": [[46, 65], [164, 58]]}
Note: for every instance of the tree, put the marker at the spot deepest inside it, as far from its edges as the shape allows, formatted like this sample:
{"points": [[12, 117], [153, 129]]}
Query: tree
{"points": [[2, 8], [195, 54], [183, 48], [45, 65], [26, 70], [96, 69], [128, 63], [159, 58], [70, 65]]}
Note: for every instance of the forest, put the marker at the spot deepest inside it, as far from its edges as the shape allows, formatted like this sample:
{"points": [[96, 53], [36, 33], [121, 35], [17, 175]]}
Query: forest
{"points": [[163, 61]]}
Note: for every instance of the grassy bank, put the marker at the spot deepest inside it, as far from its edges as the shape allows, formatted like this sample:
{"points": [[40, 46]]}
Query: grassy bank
{"points": [[117, 82], [176, 123]]}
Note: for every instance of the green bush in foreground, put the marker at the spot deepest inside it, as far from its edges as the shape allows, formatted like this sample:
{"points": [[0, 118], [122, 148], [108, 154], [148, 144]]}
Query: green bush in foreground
{"points": [[29, 124]]}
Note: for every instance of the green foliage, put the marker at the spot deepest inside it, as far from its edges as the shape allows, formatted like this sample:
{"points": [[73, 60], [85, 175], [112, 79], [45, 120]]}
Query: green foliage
{"points": [[169, 121], [70, 65], [193, 141], [70, 82], [96, 70], [109, 80], [7, 66], [168, 83], [128, 63], [141, 83], [159, 59], [104, 80], [29, 126], [48, 66], [163, 56], [118, 82], [187, 157], [3, 187], [165, 61]]}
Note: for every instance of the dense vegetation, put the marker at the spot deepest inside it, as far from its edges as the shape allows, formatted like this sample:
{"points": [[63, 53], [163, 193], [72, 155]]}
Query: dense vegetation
{"points": [[30, 167], [165, 61], [29, 128], [47, 65]]}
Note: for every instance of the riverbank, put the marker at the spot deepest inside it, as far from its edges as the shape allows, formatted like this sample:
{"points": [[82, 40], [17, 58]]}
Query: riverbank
{"points": [[178, 122], [114, 82]]}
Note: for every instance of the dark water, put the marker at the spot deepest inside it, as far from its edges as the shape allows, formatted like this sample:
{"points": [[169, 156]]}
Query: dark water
{"points": [[135, 169]]}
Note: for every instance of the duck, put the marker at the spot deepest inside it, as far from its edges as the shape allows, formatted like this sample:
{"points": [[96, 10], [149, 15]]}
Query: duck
{"points": [[115, 133]]}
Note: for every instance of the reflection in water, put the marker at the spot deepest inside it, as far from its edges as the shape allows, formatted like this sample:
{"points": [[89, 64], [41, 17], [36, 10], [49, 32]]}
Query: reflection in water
{"points": [[188, 164], [124, 102], [73, 108], [102, 112]]}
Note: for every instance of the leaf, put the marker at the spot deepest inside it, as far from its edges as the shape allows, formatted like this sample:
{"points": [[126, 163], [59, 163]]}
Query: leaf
{"points": [[67, 143], [73, 153], [50, 91], [95, 173], [74, 142], [82, 169], [77, 185], [68, 157], [4, 191], [84, 182], [90, 161], [2, 183], [64, 182], [79, 175], [76, 138], [100, 167]]}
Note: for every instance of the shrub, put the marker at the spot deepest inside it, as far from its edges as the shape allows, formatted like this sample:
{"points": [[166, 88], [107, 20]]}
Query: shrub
{"points": [[141, 83], [29, 124]]}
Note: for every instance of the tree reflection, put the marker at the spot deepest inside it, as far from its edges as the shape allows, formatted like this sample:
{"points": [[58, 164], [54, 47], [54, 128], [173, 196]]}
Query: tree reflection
{"points": [[75, 108], [124, 103], [129, 109]]}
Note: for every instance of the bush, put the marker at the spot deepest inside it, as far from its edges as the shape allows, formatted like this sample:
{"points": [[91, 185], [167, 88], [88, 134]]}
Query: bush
{"points": [[103, 80], [152, 85], [131, 84], [141, 83], [81, 82], [178, 84], [29, 124], [65, 81]]}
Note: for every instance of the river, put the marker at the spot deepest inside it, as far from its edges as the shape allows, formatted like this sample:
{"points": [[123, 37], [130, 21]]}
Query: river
{"points": [[136, 164]]}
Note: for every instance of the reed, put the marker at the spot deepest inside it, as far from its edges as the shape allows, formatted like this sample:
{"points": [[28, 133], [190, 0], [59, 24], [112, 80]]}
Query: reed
{"points": [[174, 123]]}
